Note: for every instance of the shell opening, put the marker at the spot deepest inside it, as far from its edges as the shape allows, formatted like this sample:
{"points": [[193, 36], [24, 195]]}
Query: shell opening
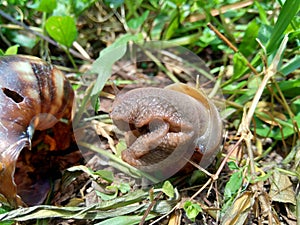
{"points": [[16, 97]]}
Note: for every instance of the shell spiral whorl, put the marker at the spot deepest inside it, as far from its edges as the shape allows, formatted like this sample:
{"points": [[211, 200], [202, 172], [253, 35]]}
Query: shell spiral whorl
{"points": [[34, 95]]}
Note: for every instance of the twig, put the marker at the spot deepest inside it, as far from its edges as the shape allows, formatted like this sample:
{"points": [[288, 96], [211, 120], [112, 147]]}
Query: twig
{"points": [[215, 176], [235, 49], [223, 9], [244, 129], [150, 207]]}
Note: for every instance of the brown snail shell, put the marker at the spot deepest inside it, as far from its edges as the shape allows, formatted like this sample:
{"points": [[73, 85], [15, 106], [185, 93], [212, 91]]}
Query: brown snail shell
{"points": [[34, 95], [164, 127]]}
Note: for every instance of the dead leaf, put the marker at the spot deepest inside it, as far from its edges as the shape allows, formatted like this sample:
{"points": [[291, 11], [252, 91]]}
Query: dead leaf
{"points": [[237, 213], [282, 189]]}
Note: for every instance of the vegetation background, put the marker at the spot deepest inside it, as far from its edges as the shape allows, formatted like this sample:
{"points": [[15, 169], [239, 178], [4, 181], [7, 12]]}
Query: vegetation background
{"points": [[252, 49]]}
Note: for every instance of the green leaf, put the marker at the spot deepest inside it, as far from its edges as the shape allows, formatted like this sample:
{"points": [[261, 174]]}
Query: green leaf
{"points": [[173, 26], [7, 223], [233, 185], [114, 3], [239, 66], [103, 64], [262, 13], [23, 40], [132, 6], [124, 187], [135, 23], [126, 204], [197, 177], [290, 88], [46, 6], [192, 210], [168, 189], [291, 66], [124, 220], [288, 130], [79, 6], [2, 210], [62, 29], [12, 50], [83, 168], [287, 13], [249, 43], [232, 165], [105, 174], [106, 197]]}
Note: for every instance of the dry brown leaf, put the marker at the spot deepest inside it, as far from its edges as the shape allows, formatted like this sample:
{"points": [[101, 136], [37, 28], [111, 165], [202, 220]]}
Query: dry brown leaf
{"points": [[282, 189], [237, 213]]}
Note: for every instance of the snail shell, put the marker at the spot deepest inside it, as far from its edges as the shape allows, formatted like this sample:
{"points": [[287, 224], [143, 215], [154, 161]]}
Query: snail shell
{"points": [[33, 96], [164, 127]]}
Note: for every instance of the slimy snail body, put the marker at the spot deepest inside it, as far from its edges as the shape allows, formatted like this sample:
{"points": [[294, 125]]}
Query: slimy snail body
{"points": [[164, 127]]}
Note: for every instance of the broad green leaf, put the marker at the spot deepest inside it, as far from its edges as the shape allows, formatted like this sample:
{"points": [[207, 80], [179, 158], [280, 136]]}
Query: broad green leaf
{"points": [[79, 6], [114, 3], [105, 174], [290, 88], [232, 165], [264, 130], [295, 106], [197, 176], [168, 189], [192, 210], [239, 66], [264, 34], [288, 130], [23, 40], [106, 197], [62, 29], [158, 26], [249, 43], [12, 50], [124, 187], [135, 23], [47, 6], [132, 6], [72, 7], [233, 185], [103, 64]]}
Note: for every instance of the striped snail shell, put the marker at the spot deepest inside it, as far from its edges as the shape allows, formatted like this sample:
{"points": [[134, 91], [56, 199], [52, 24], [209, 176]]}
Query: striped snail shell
{"points": [[165, 127], [34, 95]]}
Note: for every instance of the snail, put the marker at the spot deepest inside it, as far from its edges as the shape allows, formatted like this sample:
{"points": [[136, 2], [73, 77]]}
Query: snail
{"points": [[34, 95], [164, 127]]}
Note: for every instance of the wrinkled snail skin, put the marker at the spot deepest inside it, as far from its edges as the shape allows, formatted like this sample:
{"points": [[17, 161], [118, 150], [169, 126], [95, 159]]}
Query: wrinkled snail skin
{"points": [[33, 96], [164, 127]]}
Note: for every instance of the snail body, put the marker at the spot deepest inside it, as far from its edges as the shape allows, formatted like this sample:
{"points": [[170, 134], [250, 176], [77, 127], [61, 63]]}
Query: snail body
{"points": [[33, 96], [164, 127]]}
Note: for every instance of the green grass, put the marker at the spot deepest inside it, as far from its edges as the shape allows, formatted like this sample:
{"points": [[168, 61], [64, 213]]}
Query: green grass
{"points": [[260, 83]]}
